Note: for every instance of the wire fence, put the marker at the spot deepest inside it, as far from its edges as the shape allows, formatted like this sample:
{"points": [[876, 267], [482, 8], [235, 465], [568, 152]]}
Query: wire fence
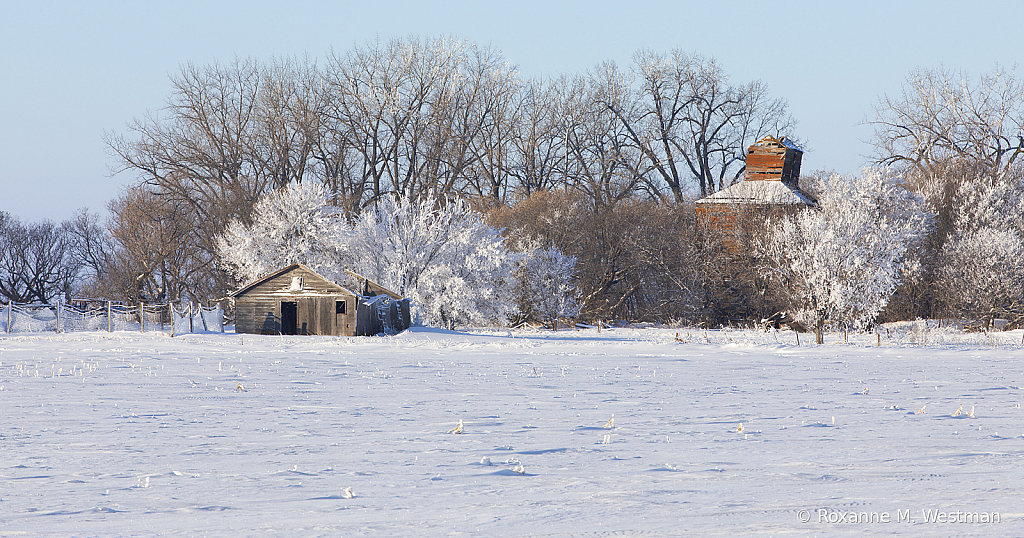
{"points": [[111, 316]]}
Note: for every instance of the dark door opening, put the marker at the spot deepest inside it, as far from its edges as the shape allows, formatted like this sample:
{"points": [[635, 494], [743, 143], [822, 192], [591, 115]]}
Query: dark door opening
{"points": [[289, 318]]}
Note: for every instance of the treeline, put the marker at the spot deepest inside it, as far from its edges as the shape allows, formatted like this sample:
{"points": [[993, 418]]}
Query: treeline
{"points": [[604, 165], [411, 117]]}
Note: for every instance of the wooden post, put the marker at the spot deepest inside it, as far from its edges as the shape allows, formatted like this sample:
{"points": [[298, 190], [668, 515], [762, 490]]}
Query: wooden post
{"points": [[191, 329], [554, 325], [10, 306], [845, 341], [110, 317], [798, 339], [142, 315], [879, 335], [599, 326], [58, 316]]}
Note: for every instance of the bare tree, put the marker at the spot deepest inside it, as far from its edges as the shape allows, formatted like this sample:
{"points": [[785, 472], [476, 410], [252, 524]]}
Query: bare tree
{"points": [[91, 249], [950, 134], [288, 111], [204, 152], [601, 160], [157, 257], [539, 143], [692, 124], [382, 102], [35, 261], [942, 117], [489, 124], [638, 259], [227, 135]]}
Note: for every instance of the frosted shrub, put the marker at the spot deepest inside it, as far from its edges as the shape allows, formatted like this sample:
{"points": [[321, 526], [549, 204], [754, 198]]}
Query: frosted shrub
{"points": [[544, 290], [980, 270], [841, 262], [454, 268]]}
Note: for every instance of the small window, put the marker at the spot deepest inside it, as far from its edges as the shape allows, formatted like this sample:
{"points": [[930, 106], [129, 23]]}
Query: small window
{"points": [[296, 284], [339, 307]]}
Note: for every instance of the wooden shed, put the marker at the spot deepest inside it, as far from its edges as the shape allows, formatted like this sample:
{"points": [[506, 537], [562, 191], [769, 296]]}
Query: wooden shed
{"points": [[297, 300]]}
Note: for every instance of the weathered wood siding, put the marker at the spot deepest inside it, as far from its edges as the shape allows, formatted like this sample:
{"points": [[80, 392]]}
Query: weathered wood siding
{"points": [[258, 309], [770, 160]]}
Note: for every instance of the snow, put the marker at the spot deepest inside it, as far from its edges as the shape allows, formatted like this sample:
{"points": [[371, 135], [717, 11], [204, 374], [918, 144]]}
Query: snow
{"points": [[759, 192], [139, 434]]}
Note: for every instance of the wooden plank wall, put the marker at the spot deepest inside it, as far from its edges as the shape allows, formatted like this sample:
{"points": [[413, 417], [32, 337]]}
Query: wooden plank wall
{"points": [[771, 163], [258, 310], [258, 315], [316, 315]]}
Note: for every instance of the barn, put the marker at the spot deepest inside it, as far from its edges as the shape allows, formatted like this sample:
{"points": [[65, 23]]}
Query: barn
{"points": [[297, 300]]}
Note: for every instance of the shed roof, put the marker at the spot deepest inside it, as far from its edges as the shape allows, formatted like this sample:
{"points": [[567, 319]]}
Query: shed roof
{"points": [[327, 284], [760, 192]]}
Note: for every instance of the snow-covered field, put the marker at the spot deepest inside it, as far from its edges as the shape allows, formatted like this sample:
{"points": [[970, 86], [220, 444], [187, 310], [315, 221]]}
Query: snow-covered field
{"points": [[128, 434]]}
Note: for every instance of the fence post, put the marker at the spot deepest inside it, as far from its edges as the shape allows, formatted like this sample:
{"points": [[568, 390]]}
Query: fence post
{"points": [[142, 315], [58, 316], [10, 306], [191, 329], [170, 310], [110, 317]]}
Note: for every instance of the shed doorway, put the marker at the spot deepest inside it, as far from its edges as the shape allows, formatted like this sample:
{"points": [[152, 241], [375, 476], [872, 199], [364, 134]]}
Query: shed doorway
{"points": [[289, 317]]}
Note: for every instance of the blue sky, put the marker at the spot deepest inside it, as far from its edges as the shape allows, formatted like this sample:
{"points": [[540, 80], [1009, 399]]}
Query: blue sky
{"points": [[71, 70]]}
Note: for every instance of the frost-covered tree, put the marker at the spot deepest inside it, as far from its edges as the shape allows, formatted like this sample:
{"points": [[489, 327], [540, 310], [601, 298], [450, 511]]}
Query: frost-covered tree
{"points": [[544, 290], [943, 116], [453, 267], [293, 224], [980, 270], [840, 262]]}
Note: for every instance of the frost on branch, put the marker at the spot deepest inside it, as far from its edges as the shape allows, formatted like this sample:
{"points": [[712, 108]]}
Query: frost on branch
{"points": [[544, 290], [980, 267], [840, 263], [454, 268], [291, 225]]}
